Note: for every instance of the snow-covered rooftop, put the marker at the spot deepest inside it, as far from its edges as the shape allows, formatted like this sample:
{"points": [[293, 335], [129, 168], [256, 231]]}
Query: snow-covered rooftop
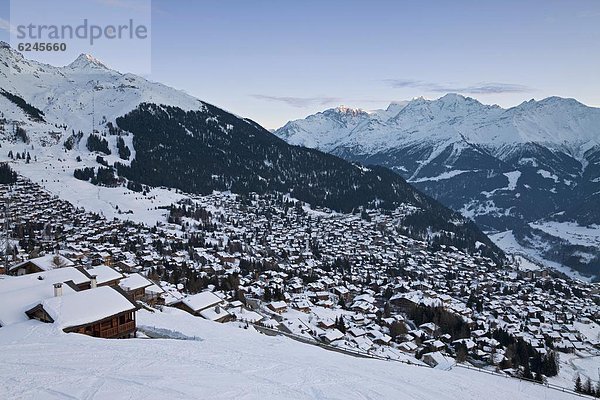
{"points": [[87, 306], [47, 262], [104, 273], [202, 300], [134, 281]]}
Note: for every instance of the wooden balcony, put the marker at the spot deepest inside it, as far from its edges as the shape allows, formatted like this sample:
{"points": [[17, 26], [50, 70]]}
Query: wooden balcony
{"points": [[127, 327]]}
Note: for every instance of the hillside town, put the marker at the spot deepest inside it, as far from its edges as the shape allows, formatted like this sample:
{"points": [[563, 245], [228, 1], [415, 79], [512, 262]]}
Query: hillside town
{"points": [[355, 282]]}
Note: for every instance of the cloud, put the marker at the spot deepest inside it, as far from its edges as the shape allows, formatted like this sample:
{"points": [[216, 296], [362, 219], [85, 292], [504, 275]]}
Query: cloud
{"points": [[480, 88], [300, 102], [5, 25], [402, 83], [588, 14]]}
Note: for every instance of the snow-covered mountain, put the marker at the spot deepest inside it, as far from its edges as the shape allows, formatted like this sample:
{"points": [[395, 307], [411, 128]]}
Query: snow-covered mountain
{"points": [[69, 95], [563, 124], [529, 169], [73, 126]]}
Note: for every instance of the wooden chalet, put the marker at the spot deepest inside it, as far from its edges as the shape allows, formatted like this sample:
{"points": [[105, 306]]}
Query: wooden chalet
{"points": [[135, 286], [206, 305], [278, 306], [103, 312], [40, 264]]}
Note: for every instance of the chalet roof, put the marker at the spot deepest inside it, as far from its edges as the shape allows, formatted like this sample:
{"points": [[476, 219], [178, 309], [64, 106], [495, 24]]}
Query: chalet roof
{"points": [[87, 306], [133, 282], [104, 273], [277, 305], [202, 300], [46, 263], [438, 361], [77, 275], [245, 315], [332, 334], [22, 296], [408, 346], [154, 288], [214, 313]]}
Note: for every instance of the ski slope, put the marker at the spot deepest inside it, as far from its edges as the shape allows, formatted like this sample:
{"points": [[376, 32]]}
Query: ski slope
{"points": [[223, 362]]}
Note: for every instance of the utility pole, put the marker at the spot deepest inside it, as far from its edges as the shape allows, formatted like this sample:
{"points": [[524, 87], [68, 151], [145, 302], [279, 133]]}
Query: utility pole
{"points": [[5, 230], [94, 87], [93, 110]]}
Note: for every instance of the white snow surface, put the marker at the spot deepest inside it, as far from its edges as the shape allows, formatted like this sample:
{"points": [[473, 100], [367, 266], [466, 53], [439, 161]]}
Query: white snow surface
{"points": [[571, 232], [223, 362], [513, 178], [442, 176]]}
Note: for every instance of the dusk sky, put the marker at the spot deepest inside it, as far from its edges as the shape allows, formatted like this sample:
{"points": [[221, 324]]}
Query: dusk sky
{"points": [[273, 61]]}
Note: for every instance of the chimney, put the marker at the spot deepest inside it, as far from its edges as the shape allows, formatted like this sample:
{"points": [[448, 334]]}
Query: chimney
{"points": [[93, 282], [57, 289], [218, 309]]}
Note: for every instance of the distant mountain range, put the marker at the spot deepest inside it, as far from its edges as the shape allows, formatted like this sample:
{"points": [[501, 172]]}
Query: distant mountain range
{"points": [[529, 174], [94, 122]]}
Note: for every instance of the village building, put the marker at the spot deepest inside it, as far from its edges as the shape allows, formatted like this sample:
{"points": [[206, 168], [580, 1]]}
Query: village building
{"points": [[103, 312], [40, 264], [206, 305], [135, 286]]}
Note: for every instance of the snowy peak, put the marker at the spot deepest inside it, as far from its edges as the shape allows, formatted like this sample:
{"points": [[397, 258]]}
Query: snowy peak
{"points": [[556, 122], [347, 111], [86, 61], [456, 102], [450, 105], [69, 95]]}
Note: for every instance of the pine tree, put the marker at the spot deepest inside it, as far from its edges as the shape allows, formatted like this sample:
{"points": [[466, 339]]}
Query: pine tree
{"points": [[527, 370], [342, 327], [587, 387], [550, 365], [386, 310], [461, 352], [578, 387], [7, 175], [267, 295]]}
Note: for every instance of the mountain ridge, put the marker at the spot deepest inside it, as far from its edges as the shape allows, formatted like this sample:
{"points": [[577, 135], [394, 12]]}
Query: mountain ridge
{"points": [[453, 110]]}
